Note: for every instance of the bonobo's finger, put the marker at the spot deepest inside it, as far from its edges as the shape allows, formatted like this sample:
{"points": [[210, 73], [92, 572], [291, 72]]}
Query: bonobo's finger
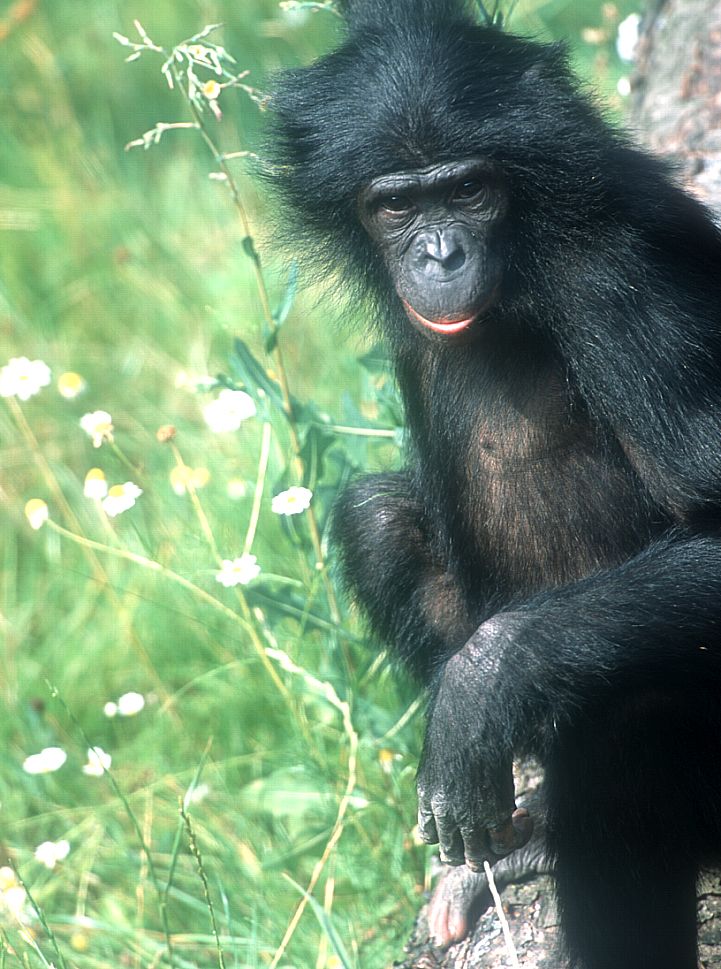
{"points": [[426, 822], [450, 843], [514, 834], [475, 847]]}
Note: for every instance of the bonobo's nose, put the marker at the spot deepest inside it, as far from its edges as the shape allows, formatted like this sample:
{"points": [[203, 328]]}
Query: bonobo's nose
{"points": [[442, 250]]}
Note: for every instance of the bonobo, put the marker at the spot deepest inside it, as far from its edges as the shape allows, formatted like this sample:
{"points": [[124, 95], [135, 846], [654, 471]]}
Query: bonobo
{"points": [[548, 564]]}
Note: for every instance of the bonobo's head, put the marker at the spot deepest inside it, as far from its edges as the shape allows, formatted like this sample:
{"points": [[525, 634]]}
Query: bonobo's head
{"points": [[437, 229], [435, 163]]}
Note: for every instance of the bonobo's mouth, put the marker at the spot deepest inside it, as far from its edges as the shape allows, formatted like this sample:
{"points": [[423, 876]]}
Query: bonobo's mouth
{"points": [[447, 327]]}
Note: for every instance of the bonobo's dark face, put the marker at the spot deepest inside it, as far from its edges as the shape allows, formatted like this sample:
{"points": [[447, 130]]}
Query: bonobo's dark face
{"points": [[438, 229]]}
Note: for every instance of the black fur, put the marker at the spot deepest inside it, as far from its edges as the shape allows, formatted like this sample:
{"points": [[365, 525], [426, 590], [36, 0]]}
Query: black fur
{"points": [[561, 504]]}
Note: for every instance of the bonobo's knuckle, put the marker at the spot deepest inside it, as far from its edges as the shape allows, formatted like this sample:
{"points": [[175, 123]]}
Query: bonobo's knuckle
{"points": [[440, 806]]}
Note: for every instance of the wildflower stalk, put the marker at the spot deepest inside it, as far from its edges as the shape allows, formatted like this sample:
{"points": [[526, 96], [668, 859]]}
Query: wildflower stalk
{"points": [[41, 918], [124, 459], [343, 708], [99, 573], [249, 246], [52, 484], [210, 539], [153, 566], [259, 486], [204, 879], [120, 794], [195, 501]]}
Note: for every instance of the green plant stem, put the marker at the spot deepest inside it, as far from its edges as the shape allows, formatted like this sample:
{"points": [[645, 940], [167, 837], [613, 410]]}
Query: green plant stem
{"points": [[259, 486], [245, 621], [282, 372], [343, 709], [204, 879], [120, 794], [41, 918], [99, 573]]}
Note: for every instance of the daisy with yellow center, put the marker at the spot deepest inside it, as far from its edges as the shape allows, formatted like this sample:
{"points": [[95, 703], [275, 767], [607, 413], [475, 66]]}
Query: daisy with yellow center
{"points": [[96, 485], [238, 571], [36, 512], [292, 502], [99, 425], [70, 384], [120, 498], [23, 378]]}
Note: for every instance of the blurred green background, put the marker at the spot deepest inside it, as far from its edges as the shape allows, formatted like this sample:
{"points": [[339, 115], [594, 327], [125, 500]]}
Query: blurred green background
{"points": [[129, 268]]}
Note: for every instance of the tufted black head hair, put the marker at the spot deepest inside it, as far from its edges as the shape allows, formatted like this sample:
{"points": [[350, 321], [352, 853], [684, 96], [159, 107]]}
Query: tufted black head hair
{"points": [[417, 82], [369, 14]]}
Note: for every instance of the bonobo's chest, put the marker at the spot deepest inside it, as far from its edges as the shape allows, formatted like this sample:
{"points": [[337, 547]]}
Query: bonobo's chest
{"points": [[526, 489]]}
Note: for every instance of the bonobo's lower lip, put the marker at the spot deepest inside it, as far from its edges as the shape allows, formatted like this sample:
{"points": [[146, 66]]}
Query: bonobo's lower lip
{"points": [[441, 326]]}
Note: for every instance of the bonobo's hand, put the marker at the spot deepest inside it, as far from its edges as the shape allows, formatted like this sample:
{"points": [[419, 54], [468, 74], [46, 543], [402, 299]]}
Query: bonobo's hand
{"points": [[466, 798]]}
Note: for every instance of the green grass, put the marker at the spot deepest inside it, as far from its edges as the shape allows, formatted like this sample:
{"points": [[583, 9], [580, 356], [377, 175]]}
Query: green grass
{"points": [[129, 268]]}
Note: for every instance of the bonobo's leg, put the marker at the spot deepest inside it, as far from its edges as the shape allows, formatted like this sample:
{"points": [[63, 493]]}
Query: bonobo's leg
{"points": [[630, 794], [400, 579], [462, 895]]}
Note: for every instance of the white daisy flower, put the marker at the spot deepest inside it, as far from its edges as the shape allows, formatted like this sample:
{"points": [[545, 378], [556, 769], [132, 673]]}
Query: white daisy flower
{"points": [[238, 571], [36, 512], [130, 703], [99, 425], [48, 760], [110, 709], [96, 485], [23, 378], [292, 502], [49, 853], [120, 498], [70, 384], [98, 762], [228, 411]]}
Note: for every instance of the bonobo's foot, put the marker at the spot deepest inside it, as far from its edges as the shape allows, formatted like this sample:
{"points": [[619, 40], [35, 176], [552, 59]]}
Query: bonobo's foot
{"points": [[462, 895]]}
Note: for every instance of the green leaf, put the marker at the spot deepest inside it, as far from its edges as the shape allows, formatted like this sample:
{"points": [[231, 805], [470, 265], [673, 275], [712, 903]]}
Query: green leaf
{"points": [[246, 368], [280, 314]]}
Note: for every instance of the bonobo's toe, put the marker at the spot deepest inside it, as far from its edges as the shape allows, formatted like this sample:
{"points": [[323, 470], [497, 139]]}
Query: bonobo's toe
{"points": [[449, 911]]}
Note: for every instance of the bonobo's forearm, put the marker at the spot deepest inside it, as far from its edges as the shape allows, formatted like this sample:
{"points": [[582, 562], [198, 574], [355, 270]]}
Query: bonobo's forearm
{"points": [[655, 620], [414, 603]]}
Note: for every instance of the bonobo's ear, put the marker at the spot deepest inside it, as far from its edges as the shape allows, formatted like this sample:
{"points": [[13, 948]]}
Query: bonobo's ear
{"points": [[379, 13]]}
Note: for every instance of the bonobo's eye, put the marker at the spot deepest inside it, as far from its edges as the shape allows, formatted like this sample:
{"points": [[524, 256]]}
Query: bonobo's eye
{"points": [[394, 205], [468, 189]]}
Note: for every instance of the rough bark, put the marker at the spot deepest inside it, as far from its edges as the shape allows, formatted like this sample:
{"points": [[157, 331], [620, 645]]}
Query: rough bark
{"points": [[677, 90], [676, 111]]}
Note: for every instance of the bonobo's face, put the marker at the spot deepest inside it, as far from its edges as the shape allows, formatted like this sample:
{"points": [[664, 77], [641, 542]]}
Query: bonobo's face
{"points": [[438, 231]]}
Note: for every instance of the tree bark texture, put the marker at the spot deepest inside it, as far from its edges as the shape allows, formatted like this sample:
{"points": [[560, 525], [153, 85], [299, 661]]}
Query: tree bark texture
{"points": [[676, 112]]}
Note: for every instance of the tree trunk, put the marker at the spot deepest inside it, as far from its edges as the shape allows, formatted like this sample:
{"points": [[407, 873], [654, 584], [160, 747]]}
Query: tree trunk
{"points": [[677, 91], [676, 111]]}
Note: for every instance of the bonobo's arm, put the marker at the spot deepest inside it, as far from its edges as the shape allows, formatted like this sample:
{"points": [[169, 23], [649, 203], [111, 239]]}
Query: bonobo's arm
{"points": [[409, 593], [655, 620]]}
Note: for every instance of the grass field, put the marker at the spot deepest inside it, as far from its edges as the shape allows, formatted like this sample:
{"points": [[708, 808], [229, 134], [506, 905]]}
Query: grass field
{"points": [[292, 746]]}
